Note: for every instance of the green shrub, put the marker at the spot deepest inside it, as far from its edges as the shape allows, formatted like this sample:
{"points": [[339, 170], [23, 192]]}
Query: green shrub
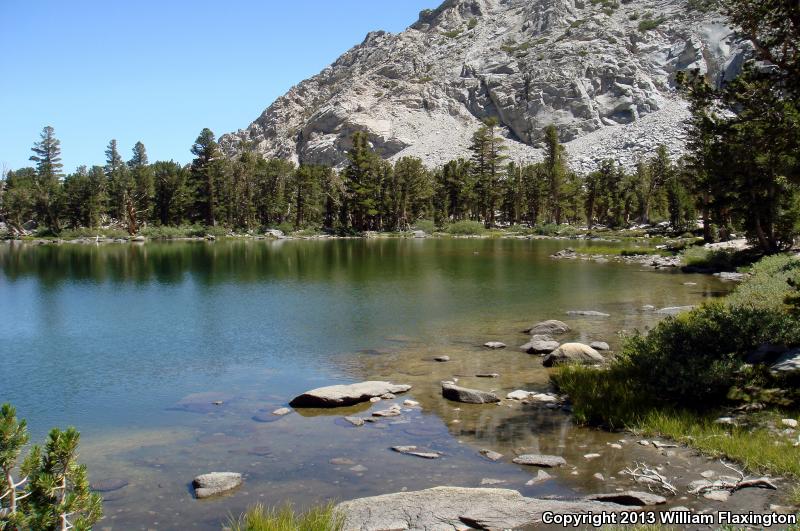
{"points": [[650, 23], [465, 228], [426, 225], [695, 361], [548, 229], [716, 260], [472, 23], [770, 284], [259, 518], [183, 231], [286, 227], [83, 232]]}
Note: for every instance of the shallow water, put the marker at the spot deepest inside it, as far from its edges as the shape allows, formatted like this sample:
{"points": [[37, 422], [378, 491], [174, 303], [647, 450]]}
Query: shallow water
{"points": [[133, 343]]}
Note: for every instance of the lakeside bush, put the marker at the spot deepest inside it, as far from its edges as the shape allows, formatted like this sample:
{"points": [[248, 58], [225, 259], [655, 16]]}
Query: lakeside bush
{"points": [[695, 361], [426, 225], [717, 260], [465, 228], [260, 518]]}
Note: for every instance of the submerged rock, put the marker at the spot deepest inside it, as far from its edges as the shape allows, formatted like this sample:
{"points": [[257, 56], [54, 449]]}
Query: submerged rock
{"points": [[280, 412], [457, 508], [587, 313], [108, 485], [214, 483], [494, 345], [540, 477], [546, 461], [491, 455], [551, 327], [453, 392], [355, 421], [346, 395], [573, 352], [417, 452]]}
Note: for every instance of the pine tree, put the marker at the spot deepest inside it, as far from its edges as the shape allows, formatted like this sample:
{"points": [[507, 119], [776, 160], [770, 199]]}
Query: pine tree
{"points": [[120, 182], [204, 175], [46, 186], [171, 197], [363, 177], [143, 181], [487, 159], [305, 189], [536, 190], [13, 438], [54, 493], [412, 190], [555, 167]]}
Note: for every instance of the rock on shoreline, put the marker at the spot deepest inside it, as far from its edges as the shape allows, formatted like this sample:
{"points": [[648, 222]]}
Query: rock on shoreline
{"points": [[458, 508], [451, 391], [346, 395]]}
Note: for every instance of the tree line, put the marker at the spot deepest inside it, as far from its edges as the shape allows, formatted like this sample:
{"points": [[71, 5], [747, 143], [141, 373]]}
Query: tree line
{"points": [[740, 174], [249, 192]]}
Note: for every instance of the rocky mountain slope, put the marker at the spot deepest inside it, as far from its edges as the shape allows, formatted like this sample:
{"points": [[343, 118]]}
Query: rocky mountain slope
{"points": [[602, 71]]}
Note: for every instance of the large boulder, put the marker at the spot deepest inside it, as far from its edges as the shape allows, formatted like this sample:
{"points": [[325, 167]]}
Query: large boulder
{"points": [[573, 353], [346, 395], [214, 483], [451, 391], [552, 327], [442, 508]]}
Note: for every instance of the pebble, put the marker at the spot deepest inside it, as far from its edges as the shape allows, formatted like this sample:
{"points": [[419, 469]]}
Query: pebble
{"points": [[282, 411], [442, 359], [708, 474], [591, 456], [599, 477], [375, 399]]}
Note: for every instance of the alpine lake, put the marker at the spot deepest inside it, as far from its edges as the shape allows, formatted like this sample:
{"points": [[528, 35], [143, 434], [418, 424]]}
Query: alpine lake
{"points": [[170, 357]]}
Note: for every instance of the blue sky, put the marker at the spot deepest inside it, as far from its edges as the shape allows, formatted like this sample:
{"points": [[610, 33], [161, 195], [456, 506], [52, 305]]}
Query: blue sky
{"points": [[160, 70]]}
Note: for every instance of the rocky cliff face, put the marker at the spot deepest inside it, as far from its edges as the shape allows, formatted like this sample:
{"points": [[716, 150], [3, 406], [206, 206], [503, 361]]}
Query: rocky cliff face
{"points": [[602, 71]]}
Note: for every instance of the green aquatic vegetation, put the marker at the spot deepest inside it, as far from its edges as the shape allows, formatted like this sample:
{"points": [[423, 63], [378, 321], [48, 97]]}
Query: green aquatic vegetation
{"points": [[286, 518]]}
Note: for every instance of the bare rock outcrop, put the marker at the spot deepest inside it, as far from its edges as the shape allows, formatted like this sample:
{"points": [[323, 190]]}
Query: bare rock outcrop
{"points": [[605, 76]]}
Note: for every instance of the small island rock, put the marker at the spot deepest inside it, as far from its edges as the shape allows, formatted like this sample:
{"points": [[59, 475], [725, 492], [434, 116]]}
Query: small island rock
{"points": [[345, 395]]}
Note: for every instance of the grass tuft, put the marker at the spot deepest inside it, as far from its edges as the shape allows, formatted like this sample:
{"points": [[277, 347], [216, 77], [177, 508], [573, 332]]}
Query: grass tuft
{"points": [[260, 518]]}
